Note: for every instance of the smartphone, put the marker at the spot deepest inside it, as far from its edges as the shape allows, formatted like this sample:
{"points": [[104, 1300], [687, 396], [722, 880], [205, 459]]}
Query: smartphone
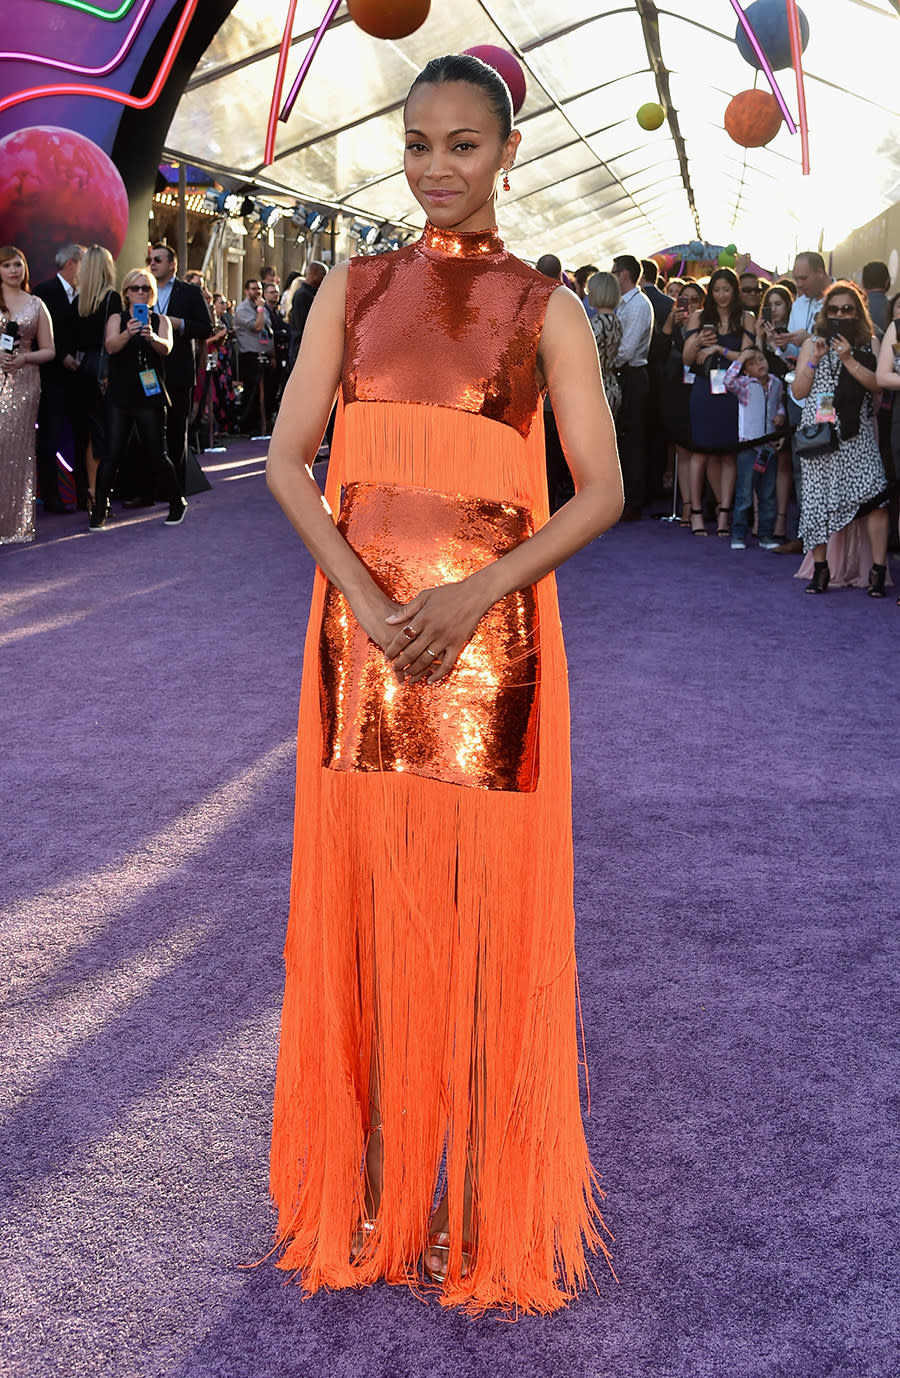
{"points": [[141, 312], [767, 314], [832, 328]]}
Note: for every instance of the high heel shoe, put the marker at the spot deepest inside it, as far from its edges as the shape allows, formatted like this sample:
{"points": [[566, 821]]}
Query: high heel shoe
{"points": [[723, 531], [440, 1244], [701, 529], [877, 575], [821, 578], [780, 535], [360, 1241]]}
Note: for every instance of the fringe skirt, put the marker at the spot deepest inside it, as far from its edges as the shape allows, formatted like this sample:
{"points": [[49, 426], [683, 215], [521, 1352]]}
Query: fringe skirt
{"points": [[430, 951]]}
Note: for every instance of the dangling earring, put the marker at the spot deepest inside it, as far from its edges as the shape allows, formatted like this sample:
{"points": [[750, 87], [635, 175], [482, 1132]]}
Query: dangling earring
{"points": [[505, 183]]}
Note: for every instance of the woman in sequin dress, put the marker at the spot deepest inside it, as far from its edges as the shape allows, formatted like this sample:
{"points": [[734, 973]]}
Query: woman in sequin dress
{"points": [[427, 1113], [20, 392]]}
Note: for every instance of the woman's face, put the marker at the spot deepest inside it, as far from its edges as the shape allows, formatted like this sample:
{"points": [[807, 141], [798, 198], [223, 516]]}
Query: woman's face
{"points": [[779, 309], [723, 293], [454, 155], [691, 299], [673, 289], [220, 305], [843, 308], [140, 290], [12, 272], [895, 315]]}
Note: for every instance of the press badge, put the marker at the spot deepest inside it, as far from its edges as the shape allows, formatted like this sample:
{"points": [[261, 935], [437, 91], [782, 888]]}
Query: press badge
{"points": [[717, 381], [825, 407], [150, 382], [688, 376]]}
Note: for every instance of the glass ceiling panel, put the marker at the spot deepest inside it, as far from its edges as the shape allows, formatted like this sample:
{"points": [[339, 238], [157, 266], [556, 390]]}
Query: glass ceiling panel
{"points": [[592, 57]]}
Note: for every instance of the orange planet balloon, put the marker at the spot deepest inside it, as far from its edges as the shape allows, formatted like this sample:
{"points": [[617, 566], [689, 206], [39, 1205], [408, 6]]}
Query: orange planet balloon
{"points": [[753, 118], [389, 18]]}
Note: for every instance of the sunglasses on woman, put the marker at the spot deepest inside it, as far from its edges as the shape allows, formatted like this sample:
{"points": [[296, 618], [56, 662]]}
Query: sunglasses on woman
{"points": [[846, 310]]}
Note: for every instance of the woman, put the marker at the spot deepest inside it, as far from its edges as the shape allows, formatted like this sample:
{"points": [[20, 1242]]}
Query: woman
{"points": [[677, 381], [835, 379], [715, 337], [97, 301], [23, 319], [673, 289], [222, 340], [773, 319], [603, 295], [137, 395], [429, 1019]]}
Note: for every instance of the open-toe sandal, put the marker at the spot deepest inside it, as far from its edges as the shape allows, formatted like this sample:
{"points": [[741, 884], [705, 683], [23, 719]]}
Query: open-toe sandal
{"points": [[360, 1241], [440, 1244]]}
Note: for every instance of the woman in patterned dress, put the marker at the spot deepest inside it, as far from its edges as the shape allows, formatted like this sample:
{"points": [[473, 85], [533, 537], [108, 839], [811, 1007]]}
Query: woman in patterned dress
{"points": [[603, 294], [23, 318], [835, 378]]}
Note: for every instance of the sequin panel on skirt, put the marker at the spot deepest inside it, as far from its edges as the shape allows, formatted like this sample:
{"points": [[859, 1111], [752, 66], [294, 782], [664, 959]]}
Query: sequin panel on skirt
{"points": [[479, 726]]}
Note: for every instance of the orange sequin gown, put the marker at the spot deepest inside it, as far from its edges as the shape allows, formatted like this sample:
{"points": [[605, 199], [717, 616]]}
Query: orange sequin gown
{"points": [[430, 946]]}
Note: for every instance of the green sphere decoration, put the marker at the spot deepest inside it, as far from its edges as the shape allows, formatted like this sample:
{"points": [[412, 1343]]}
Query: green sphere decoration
{"points": [[651, 115]]}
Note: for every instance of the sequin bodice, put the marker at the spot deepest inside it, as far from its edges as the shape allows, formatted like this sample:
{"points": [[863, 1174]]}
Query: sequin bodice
{"points": [[450, 321]]}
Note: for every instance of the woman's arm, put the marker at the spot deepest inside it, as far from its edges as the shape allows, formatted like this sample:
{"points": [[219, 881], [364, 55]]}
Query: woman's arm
{"points": [[302, 418], [116, 337], [691, 339], [46, 350], [865, 376], [444, 618], [161, 342], [811, 352], [884, 373]]}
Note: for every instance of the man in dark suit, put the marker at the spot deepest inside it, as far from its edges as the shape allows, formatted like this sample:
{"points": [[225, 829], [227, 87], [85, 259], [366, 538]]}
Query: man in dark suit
{"points": [[304, 297], [186, 308], [58, 295]]}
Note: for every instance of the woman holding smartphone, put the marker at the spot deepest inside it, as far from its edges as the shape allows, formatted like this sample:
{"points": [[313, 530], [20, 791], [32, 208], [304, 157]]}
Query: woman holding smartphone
{"points": [[715, 337], [137, 342], [835, 379], [770, 329], [676, 390]]}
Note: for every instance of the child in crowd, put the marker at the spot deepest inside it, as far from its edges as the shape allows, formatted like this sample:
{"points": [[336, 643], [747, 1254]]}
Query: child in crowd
{"points": [[760, 413]]}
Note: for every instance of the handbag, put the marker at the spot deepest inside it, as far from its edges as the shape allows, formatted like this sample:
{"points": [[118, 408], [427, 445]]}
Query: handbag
{"points": [[814, 439]]}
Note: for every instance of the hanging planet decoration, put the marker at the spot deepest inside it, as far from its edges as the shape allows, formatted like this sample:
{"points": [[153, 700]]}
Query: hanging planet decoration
{"points": [[651, 115], [508, 68], [726, 259], [768, 20], [389, 18], [753, 118]]}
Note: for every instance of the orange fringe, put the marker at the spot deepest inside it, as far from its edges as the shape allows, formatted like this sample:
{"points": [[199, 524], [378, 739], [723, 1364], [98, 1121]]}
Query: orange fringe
{"points": [[431, 937]]}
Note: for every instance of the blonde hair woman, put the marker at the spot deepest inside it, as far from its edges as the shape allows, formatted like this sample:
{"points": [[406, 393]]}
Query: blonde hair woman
{"points": [[97, 301], [137, 343]]}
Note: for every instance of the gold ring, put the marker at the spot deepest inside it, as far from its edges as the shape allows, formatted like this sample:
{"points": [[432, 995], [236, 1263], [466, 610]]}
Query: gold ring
{"points": [[435, 654], [410, 633]]}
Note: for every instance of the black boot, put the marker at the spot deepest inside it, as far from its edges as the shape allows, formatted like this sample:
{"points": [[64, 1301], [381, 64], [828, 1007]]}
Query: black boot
{"points": [[821, 578], [876, 581]]}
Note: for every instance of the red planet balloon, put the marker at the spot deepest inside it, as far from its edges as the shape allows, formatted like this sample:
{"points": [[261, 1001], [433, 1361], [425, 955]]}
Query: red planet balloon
{"points": [[508, 68], [388, 18], [753, 118], [57, 187]]}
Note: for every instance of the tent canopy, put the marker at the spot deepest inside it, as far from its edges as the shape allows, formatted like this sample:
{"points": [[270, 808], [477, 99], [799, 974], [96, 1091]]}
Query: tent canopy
{"points": [[589, 182]]}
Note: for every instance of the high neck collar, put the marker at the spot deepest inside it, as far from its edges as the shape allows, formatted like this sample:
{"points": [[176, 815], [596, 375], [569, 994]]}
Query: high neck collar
{"points": [[466, 244]]}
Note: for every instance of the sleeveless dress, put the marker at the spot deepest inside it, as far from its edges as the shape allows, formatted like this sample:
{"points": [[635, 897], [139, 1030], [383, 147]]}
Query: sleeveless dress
{"points": [[430, 943], [714, 416], [20, 393]]}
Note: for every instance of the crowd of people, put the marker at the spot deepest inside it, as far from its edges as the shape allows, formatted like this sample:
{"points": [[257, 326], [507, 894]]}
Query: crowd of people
{"points": [[131, 380], [737, 396], [734, 395]]}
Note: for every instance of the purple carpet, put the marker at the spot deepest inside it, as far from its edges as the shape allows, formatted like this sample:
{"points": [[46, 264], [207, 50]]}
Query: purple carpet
{"points": [[736, 786]]}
